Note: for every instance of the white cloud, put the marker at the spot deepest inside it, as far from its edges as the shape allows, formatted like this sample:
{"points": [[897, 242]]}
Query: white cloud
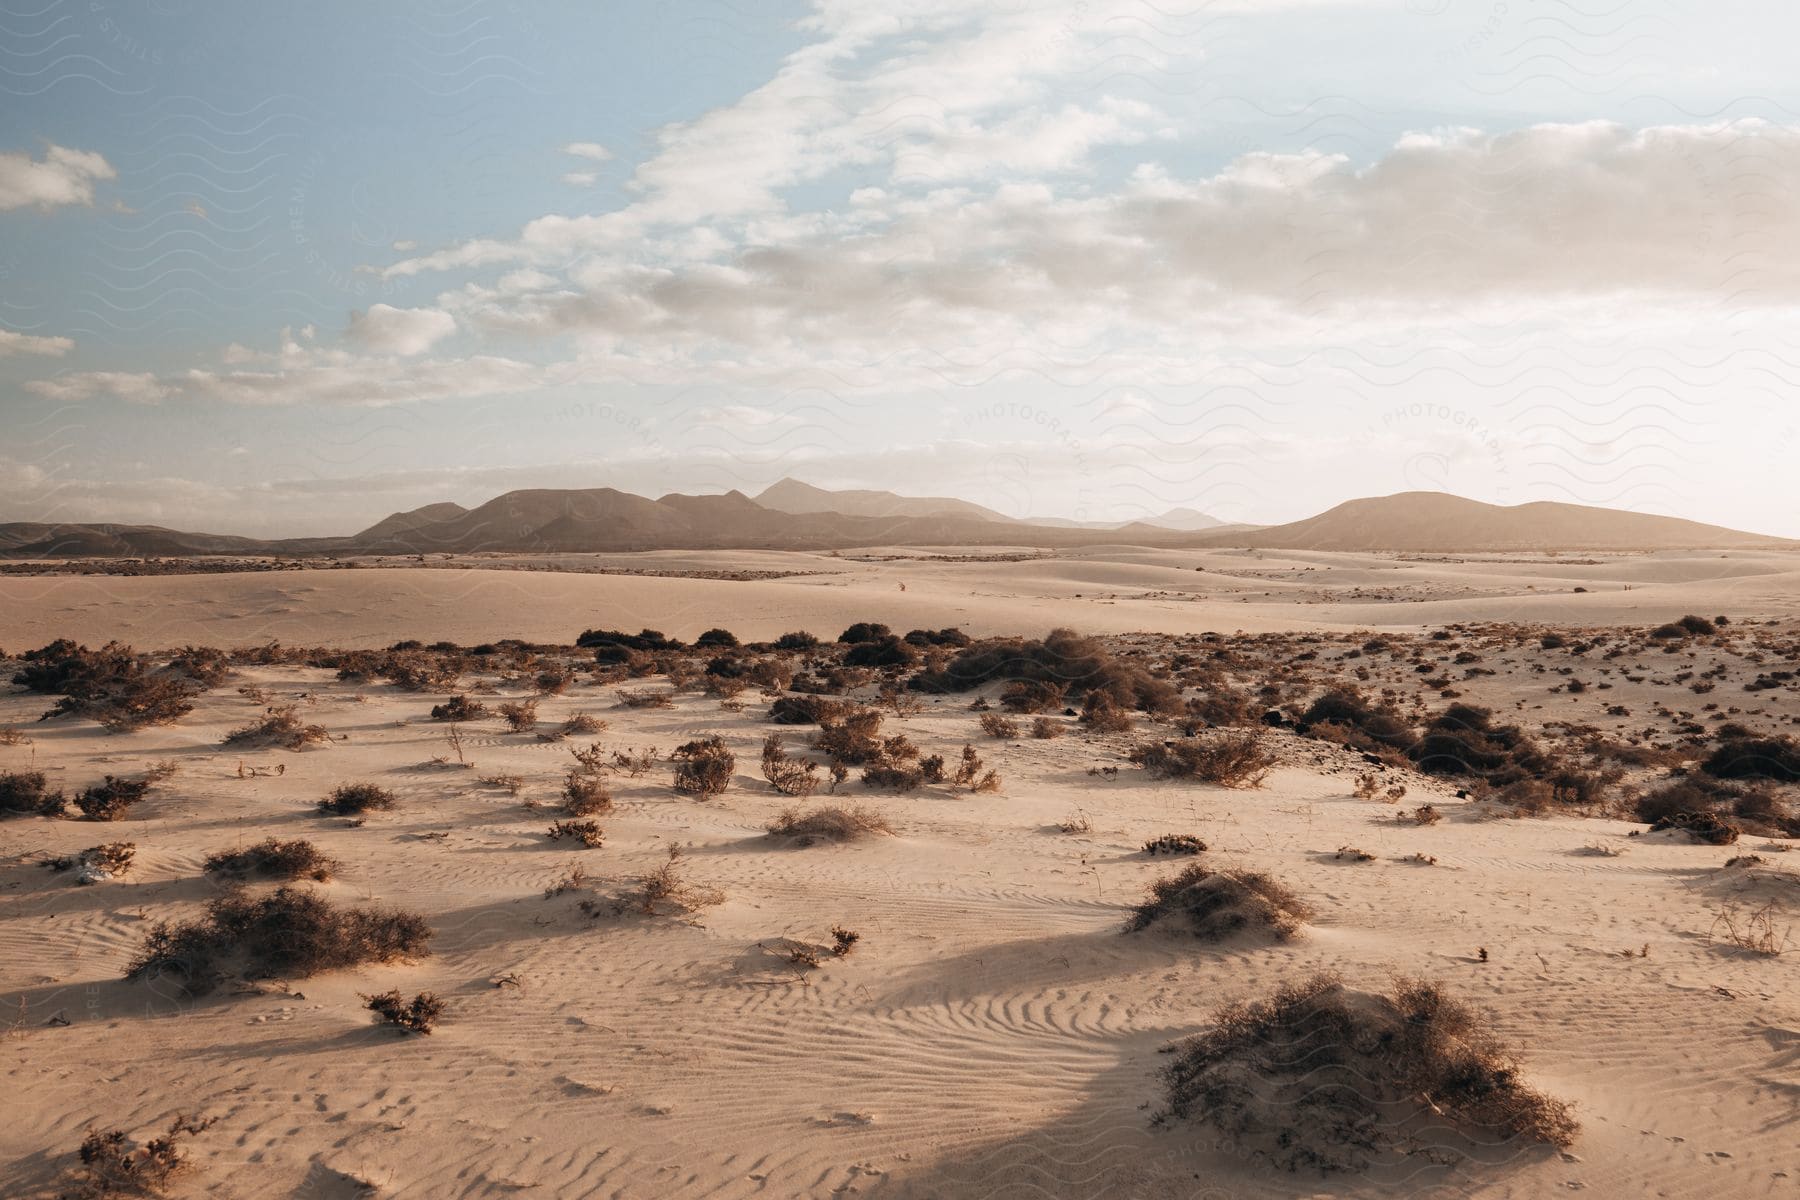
{"points": [[133, 388], [385, 329], [581, 178], [62, 176], [12, 342], [589, 150]]}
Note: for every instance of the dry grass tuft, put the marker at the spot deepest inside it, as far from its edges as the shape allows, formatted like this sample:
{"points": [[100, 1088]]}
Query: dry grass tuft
{"points": [[273, 859], [351, 799], [111, 1166], [281, 728], [418, 1015]]}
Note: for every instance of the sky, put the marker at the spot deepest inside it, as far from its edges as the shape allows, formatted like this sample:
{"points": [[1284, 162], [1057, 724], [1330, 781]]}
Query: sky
{"points": [[284, 269]]}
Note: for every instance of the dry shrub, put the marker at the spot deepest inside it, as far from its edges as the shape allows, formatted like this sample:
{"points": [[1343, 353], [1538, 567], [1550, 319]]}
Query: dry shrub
{"points": [[1214, 905], [11, 735], [580, 723], [703, 767], [585, 794], [851, 736], [112, 685], [97, 864], [26, 794], [347, 800], [1076, 822], [588, 833], [1044, 728], [1102, 714], [1755, 931], [273, 859], [1175, 843], [971, 773], [459, 708], [418, 1015], [667, 889], [521, 716], [1237, 759], [1703, 827], [289, 932], [1425, 814], [1323, 1078], [787, 775], [828, 824], [997, 726], [806, 710], [647, 699], [1700, 801], [512, 785], [1033, 696], [207, 666], [634, 762], [111, 1166], [110, 799], [1346, 716], [280, 727]]}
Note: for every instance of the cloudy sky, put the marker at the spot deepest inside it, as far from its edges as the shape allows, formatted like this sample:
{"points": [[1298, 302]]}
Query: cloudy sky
{"points": [[283, 269]]}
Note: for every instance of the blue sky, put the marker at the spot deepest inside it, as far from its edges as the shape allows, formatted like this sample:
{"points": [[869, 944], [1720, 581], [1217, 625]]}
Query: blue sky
{"points": [[279, 269]]}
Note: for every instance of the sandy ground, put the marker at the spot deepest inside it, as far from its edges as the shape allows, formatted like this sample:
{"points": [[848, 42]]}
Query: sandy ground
{"points": [[993, 1033], [1117, 591]]}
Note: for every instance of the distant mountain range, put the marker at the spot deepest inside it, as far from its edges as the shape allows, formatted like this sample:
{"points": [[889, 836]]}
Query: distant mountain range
{"points": [[792, 515]]}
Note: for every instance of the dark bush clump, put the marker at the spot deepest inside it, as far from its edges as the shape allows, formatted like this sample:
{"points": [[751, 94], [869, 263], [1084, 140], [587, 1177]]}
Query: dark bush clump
{"points": [[1775, 758], [459, 708], [588, 833], [646, 640], [108, 800], [111, 1166], [1213, 905], [24, 794], [925, 638], [1358, 722], [864, 631], [829, 824], [1175, 843], [354, 798], [273, 859], [1321, 1078], [1463, 740], [289, 932], [1063, 657], [805, 710], [888, 651], [716, 639], [797, 640], [418, 1015]]}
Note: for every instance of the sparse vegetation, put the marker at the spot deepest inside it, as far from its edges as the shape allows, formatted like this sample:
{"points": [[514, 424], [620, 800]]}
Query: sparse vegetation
{"points": [[280, 727], [703, 767], [97, 864], [521, 716], [110, 799], [588, 833], [272, 858], [1321, 1078], [27, 794], [418, 1015], [827, 824], [1175, 843], [997, 726], [290, 932], [112, 1166], [1214, 905], [787, 775], [353, 799], [459, 708], [1236, 759]]}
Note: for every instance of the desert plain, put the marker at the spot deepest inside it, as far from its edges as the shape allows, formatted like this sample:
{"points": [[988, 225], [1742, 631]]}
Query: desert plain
{"points": [[992, 1029]]}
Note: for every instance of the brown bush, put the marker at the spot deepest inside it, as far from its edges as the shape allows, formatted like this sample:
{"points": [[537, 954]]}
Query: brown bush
{"points": [[418, 1015], [997, 726], [459, 708], [25, 793], [1045, 728], [1321, 1078], [97, 863], [828, 824], [703, 767], [280, 727], [585, 794], [273, 859], [521, 716], [109, 800], [289, 932], [1235, 759], [1213, 905], [1175, 843], [350, 799], [588, 833], [111, 1166], [789, 776]]}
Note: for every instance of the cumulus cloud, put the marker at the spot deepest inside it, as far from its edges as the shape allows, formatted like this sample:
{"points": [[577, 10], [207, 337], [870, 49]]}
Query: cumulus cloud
{"points": [[12, 342], [589, 150], [385, 329], [62, 176], [132, 387], [1590, 217]]}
